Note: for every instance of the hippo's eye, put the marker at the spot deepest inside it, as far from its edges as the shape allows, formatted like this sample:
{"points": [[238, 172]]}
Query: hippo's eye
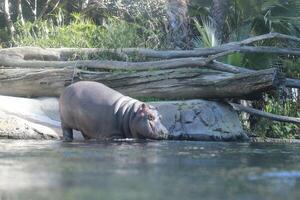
{"points": [[151, 117]]}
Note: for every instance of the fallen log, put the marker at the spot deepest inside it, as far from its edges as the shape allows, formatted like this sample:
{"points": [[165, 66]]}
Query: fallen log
{"points": [[63, 54], [288, 82], [7, 61], [186, 83], [260, 113], [12, 60]]}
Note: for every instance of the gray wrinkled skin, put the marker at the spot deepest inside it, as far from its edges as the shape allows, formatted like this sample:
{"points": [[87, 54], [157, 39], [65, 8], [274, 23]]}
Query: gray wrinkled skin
{"points": [[100, 112]]}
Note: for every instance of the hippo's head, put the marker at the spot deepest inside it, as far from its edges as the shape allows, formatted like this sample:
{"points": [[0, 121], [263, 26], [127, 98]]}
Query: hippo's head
{"points": [[147, 124]]}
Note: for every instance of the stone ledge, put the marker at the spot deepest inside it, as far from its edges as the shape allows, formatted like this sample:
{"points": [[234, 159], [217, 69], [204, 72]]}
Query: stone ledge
{"points": [[186, 120], [201, 120], [13, 127]]}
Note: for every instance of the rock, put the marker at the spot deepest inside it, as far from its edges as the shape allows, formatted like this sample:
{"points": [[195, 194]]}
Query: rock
{"points": [[170, 112], [204, 120], [13, 127], [192, 119], [207, 116], [196, 127], [187, 115], [178, 129]]}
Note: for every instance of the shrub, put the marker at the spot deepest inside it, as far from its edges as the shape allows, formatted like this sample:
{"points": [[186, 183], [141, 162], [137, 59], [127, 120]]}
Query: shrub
{"points": [[82, 33], [268, 128]]}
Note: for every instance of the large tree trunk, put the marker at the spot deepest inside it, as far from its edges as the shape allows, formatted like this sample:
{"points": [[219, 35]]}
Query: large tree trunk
{"points": [[186, 83], [178, 24], [219, 12], [8, 20], [20, 11], [43, 11]]}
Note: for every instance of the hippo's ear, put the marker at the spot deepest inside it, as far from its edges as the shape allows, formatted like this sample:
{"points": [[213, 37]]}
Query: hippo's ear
{"points": [[142, 110], [152, 107], [144, 106]]}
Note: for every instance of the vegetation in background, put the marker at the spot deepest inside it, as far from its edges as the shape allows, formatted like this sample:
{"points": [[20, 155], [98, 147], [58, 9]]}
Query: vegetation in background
{"points": [[207, 31], [81, 32], [257, 17], [111, 24], [268, 128]]}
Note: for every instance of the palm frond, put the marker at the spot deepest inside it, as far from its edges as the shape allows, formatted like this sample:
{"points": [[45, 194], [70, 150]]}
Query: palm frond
{"points": [[206, 31]]}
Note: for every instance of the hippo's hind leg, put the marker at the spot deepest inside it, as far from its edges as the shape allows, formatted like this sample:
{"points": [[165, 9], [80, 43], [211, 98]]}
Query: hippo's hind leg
{"points": [[67, 133]]}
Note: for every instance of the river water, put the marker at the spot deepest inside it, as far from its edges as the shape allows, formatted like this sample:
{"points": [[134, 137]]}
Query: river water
{"points": [[148, 170]]}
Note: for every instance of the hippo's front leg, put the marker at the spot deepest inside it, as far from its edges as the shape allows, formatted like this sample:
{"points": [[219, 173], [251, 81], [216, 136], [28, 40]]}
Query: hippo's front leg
{"points": [[67, 133]]}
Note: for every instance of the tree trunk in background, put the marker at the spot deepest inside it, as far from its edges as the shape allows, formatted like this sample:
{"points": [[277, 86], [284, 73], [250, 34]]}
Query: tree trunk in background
{"points": [[178, 24], [84, 4], [42, 13], [9, 22], [35, 10], [219, 13], [20, 11]]}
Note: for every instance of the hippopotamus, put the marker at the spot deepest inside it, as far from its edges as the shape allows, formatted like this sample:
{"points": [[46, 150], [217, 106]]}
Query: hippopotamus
{"points": [[100, 112]]}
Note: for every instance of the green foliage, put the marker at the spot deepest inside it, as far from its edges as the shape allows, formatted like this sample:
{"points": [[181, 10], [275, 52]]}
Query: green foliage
{"points": [[148, 15], [267, 128], [4, 37], [291, 67], [236, 59], [207, 33], [255, 17], [82, 33], [277, 16], [53, 33]]}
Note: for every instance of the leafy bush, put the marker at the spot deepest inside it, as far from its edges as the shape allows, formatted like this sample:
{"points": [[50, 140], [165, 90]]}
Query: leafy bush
{"points": [[268, 128], [82, 33]]}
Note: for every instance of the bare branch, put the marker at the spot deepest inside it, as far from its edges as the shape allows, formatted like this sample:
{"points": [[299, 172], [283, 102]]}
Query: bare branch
{"points": [[55, 6], [44, 9], [260, 113], [269, 36]]}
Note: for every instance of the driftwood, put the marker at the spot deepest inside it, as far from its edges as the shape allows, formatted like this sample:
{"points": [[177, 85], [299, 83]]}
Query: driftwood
{"points": [[9, 61], [35, 57], [187, 83], [289, 82], [33, 71], [260, 113], [35, 53]]}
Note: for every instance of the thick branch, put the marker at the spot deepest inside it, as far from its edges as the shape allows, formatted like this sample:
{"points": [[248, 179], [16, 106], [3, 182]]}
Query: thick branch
{"points": [[271, 116], [269, 36], [187, 83], [67, 53], [8, 61], [289, 82]]}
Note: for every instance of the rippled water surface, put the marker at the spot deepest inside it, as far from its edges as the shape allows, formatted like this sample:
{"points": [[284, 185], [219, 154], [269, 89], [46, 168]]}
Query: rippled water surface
{"points": [[148, 170]]}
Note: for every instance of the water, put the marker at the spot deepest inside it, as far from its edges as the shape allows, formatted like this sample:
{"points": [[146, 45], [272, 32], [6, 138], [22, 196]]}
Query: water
{"points": [[148, 170]]}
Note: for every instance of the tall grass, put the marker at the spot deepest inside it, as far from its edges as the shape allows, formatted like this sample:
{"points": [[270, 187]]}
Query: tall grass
{"points": [[82, 32]]}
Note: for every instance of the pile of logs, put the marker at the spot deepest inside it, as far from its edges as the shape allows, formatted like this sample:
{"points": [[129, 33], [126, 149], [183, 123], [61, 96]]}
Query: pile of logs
{"points": [[172, 74]]}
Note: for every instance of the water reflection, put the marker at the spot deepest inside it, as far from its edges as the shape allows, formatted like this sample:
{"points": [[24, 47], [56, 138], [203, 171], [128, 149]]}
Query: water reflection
{"points": [[148, 170]]}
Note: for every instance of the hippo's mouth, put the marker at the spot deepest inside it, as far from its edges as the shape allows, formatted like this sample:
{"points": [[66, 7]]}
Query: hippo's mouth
{"points": [[157, 133]]}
